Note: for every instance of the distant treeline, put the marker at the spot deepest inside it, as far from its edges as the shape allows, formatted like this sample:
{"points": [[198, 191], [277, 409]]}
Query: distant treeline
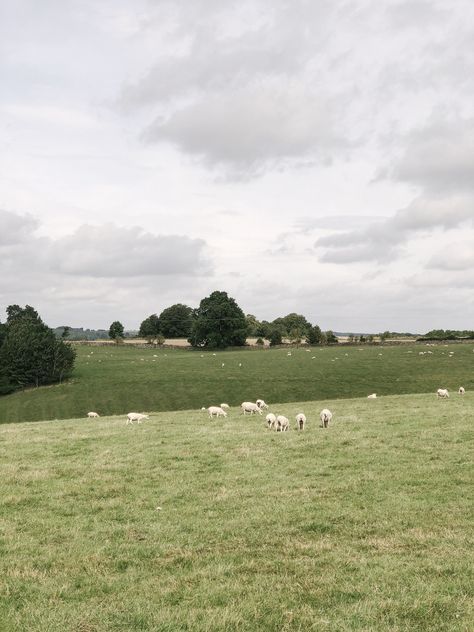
{"points": [[78, 333], [448, 334]]}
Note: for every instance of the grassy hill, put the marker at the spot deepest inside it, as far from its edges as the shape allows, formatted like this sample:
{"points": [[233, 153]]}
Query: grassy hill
{"points": [[119, 379], [182, 523]]}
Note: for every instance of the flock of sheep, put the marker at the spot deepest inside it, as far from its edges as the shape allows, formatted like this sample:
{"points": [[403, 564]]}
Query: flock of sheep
{"points": [[443, 393], [280, 423]]}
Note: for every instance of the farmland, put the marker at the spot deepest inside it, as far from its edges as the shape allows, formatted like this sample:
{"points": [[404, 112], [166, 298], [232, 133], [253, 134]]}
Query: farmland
{"points": [[182, 523], [115, 380]]}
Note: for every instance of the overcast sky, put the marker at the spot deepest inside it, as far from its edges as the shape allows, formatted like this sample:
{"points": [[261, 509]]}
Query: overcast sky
{"points": [[302, 155]]}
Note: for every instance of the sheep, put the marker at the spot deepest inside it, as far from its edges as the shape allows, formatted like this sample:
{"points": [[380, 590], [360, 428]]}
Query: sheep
{"points": [[261, 404], [250, 407], [217, 411], [443, 393], [92, 414], [325, 415], [138, 417], [271, 420], [282, 424], [372, 396], [462, 390], [300, 421], [224, 406]]}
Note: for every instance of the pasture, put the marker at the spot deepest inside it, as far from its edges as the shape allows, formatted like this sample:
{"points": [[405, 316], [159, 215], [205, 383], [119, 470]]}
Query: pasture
{"points": [[114, 380], [183, 523]]}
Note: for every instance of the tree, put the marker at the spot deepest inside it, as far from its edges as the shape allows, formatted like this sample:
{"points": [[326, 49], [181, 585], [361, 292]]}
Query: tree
{"points": [[150, 328], [31, 354], [314, 335], [275, 336], [116, 331], [293, 323], [176, 321], [252, 324], [331, 338], [263, 329], [218, 322]]}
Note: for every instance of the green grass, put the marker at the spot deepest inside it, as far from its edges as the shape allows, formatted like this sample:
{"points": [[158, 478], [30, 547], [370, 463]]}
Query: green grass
{"points": [[182, 523], [116, 380]]}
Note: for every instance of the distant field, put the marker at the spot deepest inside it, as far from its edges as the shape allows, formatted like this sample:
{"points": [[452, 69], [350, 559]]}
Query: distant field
{"points": [[115, 380], [183, 523]]}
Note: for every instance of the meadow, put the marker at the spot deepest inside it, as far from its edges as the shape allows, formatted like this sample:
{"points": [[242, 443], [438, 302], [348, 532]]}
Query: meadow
{"points": [[115, 380], [183, 523]]}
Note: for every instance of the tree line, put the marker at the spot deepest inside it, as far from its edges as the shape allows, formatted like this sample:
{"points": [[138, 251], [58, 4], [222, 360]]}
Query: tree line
{"points": [[219, 322], [30, 352]]}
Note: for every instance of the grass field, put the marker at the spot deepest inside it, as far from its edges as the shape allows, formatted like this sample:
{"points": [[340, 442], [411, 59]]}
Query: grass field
{"points": [[121, 379], [182, 523]]}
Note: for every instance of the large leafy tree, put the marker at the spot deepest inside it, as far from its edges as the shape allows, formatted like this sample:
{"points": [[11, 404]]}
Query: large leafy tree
{"points": [[31, 354], [116, 331], [150, 328], [294, 325], [218, 322], [314, 335], [176, 321]]}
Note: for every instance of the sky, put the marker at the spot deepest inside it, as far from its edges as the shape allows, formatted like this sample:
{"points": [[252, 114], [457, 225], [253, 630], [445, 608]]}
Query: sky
{"points": [[310, 156]]}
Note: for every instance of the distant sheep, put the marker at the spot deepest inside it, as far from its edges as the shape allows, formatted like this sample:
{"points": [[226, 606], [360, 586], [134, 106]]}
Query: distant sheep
{"points": [[300, 421], [224, 406], [218, 411], [271, 420], [325, 415], [462, 390], [92, 414], [372, 396], [138, 417], [250, 407], [261, 404], [282, 424], [443, 393]]}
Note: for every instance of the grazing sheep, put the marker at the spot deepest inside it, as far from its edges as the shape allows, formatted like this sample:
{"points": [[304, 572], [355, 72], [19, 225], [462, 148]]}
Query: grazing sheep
{"points": [[373, 396], [462, 390], [443, 393], [261, 404], [271, 420], [325, 415], [217, 411], [250, 407], [92, 414], [138, 417], [300, 421], [282, 424], [225, 406]]}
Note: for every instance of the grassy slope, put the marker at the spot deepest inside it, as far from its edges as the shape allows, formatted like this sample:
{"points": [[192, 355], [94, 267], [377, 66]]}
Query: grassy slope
{"points": [[365, 526], [117, 380]]}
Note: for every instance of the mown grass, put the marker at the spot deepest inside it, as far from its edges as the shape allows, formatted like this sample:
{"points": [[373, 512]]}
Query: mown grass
{"points": [[116, 380], [182, 523]]}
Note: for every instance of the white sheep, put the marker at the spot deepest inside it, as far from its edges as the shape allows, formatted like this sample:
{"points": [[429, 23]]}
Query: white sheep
{"points": [[261, 404], [250, 407], [443, 393], [325, 415], [462, 390], [138, 417], [218, 411], [271, 420], [92, 414], [282, 424], [224, 406], [300, 421], [372, 396]]}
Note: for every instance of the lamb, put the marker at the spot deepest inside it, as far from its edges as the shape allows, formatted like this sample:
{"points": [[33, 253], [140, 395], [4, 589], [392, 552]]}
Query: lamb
{"points": [[325, 415], [282, 424], [271, 420], [462, 390], [300, 421], [138, 417], [261, 404], [224, 406], [443, 393], [92, 414], [372, 396], [250, 407], [218, 411]]}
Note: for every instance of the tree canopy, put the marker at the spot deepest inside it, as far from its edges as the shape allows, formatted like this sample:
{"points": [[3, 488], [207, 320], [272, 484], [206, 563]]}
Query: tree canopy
{"points": [[150, 328], [116, 331], [218, 322], [176, 321]]}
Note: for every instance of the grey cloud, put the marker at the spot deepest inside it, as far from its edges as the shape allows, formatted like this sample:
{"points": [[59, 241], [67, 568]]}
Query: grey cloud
{"points": [[15, 228], [383, 241], [457, 256]]}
